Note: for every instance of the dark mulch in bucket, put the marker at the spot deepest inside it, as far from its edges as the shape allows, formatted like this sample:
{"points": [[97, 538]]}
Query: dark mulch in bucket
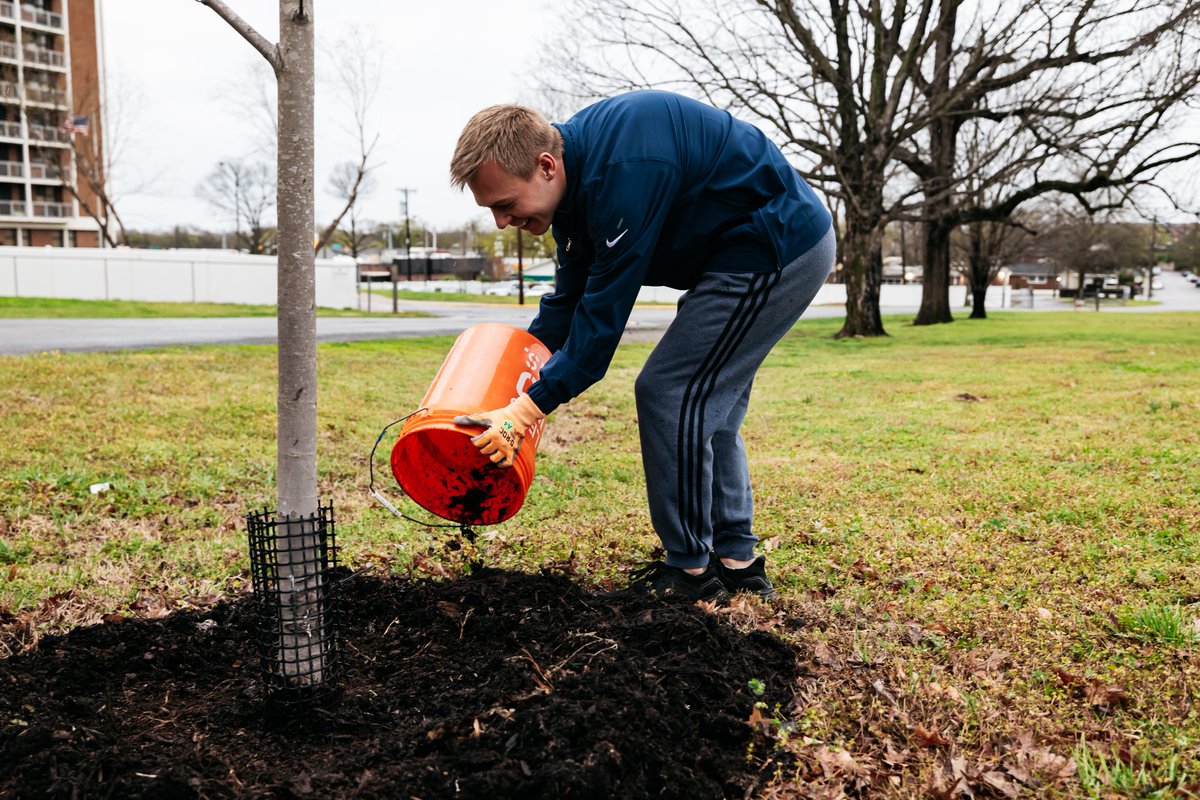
{"points": [[496, 686]]}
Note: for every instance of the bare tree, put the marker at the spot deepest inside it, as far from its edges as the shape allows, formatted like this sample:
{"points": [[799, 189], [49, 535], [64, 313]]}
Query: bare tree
{"points": [[1075, 96], [86, 176], [255, 101], [360, 235], [348, 180], [1091, 244], [832, 81], [356, 66], [247, 192], [988, 246], [292, 61]]}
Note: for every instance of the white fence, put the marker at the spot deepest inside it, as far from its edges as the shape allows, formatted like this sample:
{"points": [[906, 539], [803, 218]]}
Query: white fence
{"points": [[890, 295], [181, 276]]}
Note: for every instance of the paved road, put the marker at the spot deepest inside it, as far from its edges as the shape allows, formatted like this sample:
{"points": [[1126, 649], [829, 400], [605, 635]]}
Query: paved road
{"points": [[18, 336]]}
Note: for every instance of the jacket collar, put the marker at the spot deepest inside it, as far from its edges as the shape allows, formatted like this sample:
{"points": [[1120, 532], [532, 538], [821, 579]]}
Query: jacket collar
{"points": [[572, 164]]}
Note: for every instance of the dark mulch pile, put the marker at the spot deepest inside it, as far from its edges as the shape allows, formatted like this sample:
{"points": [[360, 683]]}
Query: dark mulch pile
{"points": [[499, 685]]}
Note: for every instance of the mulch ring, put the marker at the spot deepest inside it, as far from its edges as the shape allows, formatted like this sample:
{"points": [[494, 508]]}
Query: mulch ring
{"points": [[495, 685]]}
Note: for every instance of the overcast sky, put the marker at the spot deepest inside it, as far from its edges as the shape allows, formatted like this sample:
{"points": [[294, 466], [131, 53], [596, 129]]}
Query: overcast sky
{"points": [[176, 71]]}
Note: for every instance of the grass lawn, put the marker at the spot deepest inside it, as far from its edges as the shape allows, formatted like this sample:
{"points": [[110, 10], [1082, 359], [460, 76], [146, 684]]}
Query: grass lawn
{"points": [[43, 307], [985, 532]]}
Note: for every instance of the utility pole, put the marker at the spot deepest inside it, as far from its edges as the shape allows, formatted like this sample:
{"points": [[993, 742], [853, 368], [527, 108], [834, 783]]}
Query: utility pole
{"points": [[520, 272], [407, 230], [1150, 269], [407, 252]]}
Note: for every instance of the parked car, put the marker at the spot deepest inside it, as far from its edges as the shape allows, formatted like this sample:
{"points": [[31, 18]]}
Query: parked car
{"points": [[513, 288], [501, 289]]}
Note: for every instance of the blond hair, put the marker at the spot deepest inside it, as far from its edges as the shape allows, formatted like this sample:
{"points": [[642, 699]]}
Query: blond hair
{"points": [[512, 136]]}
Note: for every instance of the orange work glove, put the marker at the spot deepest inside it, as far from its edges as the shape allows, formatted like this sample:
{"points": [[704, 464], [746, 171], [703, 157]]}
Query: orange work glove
{"points": [[505, 429]]}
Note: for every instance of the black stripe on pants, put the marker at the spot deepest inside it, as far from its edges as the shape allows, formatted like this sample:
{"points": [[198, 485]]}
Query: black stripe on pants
{"points": [[695, 399]]}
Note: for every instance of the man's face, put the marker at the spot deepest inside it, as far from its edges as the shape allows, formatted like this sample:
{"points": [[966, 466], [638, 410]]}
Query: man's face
{"points": [[528, 204]]}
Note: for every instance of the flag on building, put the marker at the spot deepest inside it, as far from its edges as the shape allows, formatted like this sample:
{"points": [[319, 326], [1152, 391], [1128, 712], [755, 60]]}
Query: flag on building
{"points": [[76, 125]]}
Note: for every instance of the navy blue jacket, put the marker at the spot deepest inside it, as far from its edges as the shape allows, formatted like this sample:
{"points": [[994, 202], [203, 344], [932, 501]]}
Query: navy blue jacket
{"points": [[660, 189]]}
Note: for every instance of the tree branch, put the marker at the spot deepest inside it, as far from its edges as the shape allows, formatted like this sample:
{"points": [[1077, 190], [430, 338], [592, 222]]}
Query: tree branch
{"points": [[269, 51]]}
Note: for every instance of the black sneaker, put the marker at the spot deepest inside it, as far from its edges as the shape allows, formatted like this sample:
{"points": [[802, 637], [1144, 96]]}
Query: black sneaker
{"points": [[661, 580], [751, 579]]}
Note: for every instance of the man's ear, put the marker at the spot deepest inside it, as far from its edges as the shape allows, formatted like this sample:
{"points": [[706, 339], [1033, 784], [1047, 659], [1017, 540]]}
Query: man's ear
{"points": [[547, 166]]}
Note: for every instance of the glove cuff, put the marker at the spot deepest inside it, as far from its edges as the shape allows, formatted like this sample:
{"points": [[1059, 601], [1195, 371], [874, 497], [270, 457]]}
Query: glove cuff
{"points": [[524, 411]]}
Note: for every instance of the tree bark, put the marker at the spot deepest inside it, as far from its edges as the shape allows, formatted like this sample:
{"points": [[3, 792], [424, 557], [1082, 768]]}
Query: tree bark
{"points": [[935, 291], [863, 270], [980, 272], [300, 589]]}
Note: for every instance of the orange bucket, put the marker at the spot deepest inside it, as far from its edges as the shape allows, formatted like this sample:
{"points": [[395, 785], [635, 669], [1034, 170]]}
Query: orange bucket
{"points": [[433, 459]]}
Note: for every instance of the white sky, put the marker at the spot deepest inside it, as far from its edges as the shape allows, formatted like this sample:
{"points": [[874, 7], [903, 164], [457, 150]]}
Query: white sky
{"points": [[444, 60]]}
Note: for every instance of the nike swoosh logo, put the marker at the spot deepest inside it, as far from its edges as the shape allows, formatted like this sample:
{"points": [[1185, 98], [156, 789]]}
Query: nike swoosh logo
{"points": [[611, 242]]}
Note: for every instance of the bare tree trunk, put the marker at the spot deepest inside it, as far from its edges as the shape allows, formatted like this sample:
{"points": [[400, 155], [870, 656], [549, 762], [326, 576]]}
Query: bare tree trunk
{"points": [[863, 269], [298, 538], [980, 272], [297, 397], [938, 185], [935, 291]]}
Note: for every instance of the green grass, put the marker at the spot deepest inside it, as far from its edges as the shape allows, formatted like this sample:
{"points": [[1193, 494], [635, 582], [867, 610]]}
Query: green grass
{"points": [[1112, 777], [1170, 625], [986, 529], [47, 307]]}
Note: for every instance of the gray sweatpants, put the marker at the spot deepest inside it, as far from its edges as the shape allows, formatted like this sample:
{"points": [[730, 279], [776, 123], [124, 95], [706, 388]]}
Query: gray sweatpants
{"points": [[692, 396]]}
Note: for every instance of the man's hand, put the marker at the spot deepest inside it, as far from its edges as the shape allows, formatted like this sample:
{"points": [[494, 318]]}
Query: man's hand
{"points": [[505, 429]]}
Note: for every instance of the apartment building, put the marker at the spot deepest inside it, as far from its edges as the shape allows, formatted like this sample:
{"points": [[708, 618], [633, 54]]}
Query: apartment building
{"points": [[50, 126]]}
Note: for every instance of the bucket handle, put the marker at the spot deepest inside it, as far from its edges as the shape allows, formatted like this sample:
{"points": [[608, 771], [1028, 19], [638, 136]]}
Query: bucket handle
{"points": [[467, 532]]}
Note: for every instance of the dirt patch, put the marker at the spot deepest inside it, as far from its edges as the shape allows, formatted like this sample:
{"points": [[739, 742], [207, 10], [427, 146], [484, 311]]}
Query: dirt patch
{"points": [[570, 427], [500, 684]]}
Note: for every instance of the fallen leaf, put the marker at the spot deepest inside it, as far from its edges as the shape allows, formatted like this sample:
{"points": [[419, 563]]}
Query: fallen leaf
{"points": [[859, 569], [893, 757], [1041, 761], [757, 720], [824, 656], [1044, 613], [958, 770], [1106, 696], [928, 738], [992, 663], [1000, 783], [967, 397], [708, 607], [948, 692], [450, 609], [840, 762], [1067, 678]]}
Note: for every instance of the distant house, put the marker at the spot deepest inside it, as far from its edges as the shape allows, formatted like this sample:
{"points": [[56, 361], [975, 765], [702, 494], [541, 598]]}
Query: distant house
{"points": [[1041, 273]]}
